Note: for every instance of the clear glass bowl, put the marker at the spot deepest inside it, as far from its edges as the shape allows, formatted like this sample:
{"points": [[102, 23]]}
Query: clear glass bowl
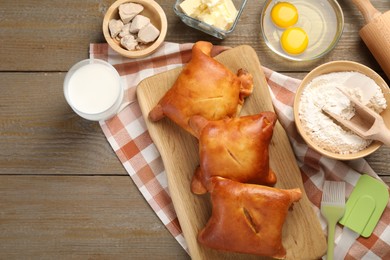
{"points": [[204, 27], [323, 21]]}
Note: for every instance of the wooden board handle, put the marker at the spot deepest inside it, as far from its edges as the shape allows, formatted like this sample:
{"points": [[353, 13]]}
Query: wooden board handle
{"points": [[368, 11]]}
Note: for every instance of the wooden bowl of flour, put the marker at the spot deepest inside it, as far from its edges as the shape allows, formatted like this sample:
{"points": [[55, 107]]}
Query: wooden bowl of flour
{"points": [[317, 92]]}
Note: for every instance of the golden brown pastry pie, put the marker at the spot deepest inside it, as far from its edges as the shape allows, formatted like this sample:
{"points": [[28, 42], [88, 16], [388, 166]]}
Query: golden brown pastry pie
{"points": [[204, 87], [234, 148], [247, 218]]}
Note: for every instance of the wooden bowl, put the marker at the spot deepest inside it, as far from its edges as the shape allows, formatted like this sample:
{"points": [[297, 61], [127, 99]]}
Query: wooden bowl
{"points": [[340, 66], [157, 17]]}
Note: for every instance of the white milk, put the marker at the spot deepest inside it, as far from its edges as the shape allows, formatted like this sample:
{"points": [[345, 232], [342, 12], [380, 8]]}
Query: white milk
{"points": [[93, 89]]}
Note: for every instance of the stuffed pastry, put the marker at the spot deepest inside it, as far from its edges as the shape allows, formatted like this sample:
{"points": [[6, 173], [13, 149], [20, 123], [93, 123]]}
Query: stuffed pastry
{"points": [[234, 148], [204, 87], [247, 218]]}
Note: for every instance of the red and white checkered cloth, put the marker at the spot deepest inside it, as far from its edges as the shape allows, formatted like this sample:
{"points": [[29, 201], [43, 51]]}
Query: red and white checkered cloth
{"points": [[129, 138]]}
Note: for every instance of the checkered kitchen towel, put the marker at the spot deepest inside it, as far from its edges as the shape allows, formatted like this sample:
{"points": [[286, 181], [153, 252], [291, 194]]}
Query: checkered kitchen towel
{"points": [[130, 140]]}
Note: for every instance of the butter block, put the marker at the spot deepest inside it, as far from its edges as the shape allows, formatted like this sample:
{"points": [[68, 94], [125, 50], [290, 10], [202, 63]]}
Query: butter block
{"points": [[211, 3], [227, 9], [190, 7]]}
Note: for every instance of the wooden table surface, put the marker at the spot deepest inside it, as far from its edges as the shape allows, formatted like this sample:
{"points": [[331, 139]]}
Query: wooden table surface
{"points": [[63, 191]]}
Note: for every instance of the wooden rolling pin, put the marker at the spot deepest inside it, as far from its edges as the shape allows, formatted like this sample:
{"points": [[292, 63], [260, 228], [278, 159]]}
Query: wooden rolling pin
{"points": [[376, 33]]}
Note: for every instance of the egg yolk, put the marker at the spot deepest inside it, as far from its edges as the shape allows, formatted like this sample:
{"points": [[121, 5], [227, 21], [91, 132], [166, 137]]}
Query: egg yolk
{"points": [[284, 14], [294, 40]]}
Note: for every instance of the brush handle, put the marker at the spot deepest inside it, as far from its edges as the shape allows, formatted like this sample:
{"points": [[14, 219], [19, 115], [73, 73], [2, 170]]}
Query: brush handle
{"points": [[368, 11], [331, 231], [348, 237]]}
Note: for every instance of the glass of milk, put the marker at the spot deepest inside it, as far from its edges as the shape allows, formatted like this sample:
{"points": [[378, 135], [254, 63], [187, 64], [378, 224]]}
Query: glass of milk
{"points": [[93, 89]]}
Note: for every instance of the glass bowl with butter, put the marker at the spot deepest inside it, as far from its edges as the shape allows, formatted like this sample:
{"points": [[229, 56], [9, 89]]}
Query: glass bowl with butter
{"points": [[215, 17]]}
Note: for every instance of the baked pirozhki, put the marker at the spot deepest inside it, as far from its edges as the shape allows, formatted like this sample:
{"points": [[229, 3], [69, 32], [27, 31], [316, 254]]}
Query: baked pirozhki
{"points": [[234, 148], [204, 87], [247, 218]]}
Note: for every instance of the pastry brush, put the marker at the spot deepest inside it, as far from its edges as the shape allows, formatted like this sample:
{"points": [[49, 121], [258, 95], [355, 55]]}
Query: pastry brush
{"points": [[332, 208]]}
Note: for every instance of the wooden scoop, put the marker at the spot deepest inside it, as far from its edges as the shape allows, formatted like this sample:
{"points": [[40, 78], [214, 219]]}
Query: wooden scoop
{"points": [[366, 123], [376, 33]]}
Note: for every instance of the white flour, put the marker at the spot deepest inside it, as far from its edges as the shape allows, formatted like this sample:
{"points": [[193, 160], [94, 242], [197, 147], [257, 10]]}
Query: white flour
{"points": [[321, 93]]}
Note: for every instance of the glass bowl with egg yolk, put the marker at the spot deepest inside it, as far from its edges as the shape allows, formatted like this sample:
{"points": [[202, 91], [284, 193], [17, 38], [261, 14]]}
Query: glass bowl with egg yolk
{"points": [[301, 30]]}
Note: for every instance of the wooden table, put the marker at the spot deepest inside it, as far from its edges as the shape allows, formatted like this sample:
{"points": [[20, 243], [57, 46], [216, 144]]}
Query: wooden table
{"points": [[63, 192]]}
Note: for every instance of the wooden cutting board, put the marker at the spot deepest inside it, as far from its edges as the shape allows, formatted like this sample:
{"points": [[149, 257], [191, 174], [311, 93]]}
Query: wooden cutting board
{"points": [[302, 234]]}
